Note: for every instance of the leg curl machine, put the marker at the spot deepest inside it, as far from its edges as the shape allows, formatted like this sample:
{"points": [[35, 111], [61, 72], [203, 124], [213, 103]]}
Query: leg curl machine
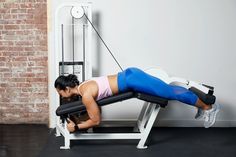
{"points": [[147, 116], [149, 111]]}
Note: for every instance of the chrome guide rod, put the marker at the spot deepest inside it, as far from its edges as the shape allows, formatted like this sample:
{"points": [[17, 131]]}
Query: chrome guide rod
{"points": [[62, 50], [73, 44], [84, 49]]}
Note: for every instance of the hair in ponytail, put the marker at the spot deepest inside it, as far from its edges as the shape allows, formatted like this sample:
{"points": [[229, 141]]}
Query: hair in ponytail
{"points": [[66, 81]]}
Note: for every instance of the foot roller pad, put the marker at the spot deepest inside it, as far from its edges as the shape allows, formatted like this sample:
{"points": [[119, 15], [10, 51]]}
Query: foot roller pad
{"points": [[206, 98]]}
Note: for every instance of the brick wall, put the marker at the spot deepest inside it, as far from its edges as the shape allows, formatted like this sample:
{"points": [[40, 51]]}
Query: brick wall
{"points": [[23, 61]]}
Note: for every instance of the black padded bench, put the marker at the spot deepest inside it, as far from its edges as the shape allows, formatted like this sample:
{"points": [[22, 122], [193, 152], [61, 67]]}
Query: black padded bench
{"points": [[78, 106]]}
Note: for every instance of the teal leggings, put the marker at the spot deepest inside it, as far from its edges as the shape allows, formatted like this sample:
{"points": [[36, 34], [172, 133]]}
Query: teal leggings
{"points": [[137, 80]]}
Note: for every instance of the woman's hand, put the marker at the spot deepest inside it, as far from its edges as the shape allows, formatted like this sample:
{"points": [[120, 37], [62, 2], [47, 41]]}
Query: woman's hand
{"points": [[70, 125]]}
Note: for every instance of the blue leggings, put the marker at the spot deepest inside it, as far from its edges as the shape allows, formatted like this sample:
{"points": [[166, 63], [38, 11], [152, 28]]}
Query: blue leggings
{"points": [[137, 80]]}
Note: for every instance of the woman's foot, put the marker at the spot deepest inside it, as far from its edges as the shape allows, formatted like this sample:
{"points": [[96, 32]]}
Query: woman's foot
{"points": [[200, 111], [199, 114], [210, 115]]}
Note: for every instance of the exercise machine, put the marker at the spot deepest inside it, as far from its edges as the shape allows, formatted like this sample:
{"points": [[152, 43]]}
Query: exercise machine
{"points": [[146, 118], [81, 13]]}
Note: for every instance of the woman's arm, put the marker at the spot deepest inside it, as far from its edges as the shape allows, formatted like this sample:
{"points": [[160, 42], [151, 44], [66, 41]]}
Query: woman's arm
{"points": [[93, 112]]}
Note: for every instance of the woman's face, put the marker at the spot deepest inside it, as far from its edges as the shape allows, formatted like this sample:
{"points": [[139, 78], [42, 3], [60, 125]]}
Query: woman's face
{"points": [[64, 93]]}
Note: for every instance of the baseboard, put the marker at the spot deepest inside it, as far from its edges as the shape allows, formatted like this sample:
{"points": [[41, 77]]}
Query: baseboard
{"points": [[166, 123]]}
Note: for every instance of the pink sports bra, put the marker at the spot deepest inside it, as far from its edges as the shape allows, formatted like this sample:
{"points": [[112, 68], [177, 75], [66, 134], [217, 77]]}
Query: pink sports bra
{"points": [[104, 89]]}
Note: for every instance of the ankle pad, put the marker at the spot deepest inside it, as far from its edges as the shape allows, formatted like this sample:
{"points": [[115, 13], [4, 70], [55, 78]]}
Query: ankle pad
{"points": [[206, 98]]}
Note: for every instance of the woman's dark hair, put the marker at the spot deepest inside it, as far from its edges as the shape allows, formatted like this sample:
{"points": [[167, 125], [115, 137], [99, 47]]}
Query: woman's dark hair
{"points": [[66, 81]]}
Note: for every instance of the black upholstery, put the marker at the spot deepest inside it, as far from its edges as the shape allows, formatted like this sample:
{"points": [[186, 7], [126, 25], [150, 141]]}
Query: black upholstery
{"points": [[206, 98], [77, 106]]}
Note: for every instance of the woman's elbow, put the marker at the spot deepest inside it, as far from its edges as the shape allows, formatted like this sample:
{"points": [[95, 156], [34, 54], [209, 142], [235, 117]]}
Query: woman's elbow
{"points": [[96, 119], [97, 122]]}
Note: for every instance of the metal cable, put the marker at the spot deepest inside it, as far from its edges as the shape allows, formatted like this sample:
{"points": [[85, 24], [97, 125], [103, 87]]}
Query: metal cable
{"points": [[103, 42]]}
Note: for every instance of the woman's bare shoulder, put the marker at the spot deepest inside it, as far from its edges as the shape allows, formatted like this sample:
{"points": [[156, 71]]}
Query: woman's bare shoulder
{"points": [[89, 88]]}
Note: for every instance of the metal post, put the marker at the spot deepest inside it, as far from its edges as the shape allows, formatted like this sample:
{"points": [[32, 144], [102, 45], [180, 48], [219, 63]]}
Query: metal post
{"points": [[84, 49], [62, 44], [73, 44]]}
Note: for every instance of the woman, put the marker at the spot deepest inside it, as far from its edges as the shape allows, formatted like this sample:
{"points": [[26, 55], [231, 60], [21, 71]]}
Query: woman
{"points": [[130, 79]]}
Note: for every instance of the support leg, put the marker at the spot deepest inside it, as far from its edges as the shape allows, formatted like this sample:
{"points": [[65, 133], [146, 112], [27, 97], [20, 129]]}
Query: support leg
{"points": [[139, 124], [154, 112], [66, 138], [57, 132], [145, 117], [67, 144], [57, 129]]}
